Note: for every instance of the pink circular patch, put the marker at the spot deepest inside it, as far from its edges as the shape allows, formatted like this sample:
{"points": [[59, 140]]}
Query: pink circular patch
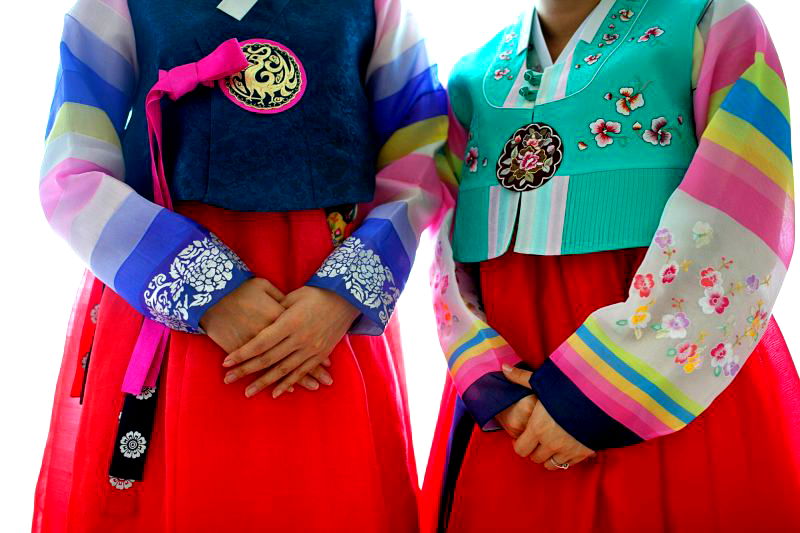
{"points": [[274, 82]]}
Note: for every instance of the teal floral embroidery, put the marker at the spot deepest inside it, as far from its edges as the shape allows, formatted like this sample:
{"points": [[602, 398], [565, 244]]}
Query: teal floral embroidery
{"points": [[658, 135], [501, 73], [603, 131], [471, 161], [630, 100], [651, 33], [592, 59]]}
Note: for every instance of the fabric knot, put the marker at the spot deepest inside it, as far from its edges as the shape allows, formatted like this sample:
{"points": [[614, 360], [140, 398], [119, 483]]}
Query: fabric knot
{"points": [[225, 61], [179, 81]]}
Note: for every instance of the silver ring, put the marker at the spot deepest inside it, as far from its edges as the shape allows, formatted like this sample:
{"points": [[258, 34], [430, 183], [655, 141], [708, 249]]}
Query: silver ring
{"points": [[560, 466]]}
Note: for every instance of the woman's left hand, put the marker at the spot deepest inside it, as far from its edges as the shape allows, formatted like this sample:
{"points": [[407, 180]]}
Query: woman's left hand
{"points": [[543, 439], [299, 341]]}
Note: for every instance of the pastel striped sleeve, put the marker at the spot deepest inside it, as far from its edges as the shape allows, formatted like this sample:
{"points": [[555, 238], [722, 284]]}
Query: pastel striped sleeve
{"points": [[165, 265], [702, 299], [474, 351], [409, 108]]}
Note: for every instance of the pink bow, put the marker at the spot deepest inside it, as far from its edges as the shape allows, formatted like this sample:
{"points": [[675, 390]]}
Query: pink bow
{"points": [[225, 61]]}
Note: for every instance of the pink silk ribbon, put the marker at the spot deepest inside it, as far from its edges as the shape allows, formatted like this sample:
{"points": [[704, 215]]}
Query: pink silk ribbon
{"points": [[225, 61]]}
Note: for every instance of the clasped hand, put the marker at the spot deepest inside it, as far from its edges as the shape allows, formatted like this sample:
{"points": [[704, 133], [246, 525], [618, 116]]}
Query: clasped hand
{"points": [[534, 432], [291, 336]]}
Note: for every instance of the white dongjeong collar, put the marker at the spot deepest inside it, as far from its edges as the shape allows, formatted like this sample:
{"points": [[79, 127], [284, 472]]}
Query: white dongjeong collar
{"points": [[237, 8]]}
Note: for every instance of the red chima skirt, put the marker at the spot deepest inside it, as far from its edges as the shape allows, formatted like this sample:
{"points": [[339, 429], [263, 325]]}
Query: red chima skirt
{"points": [[734, 469], [338, 458]]}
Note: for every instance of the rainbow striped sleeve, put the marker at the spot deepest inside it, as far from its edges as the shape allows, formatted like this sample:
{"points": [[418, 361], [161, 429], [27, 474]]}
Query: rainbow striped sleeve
{"points": [[703, 296], [409, 108], [165, 265], [475, 352]]}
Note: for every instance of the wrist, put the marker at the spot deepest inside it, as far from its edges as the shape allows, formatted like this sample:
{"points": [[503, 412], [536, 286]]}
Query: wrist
{"points": [[346, 308]]}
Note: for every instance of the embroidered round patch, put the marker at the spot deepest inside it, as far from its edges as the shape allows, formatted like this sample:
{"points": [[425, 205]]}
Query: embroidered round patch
{"points": [[275, 80], [530, 158]]}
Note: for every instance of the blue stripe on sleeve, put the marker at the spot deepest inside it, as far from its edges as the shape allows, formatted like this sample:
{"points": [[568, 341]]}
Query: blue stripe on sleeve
{"points": [[96, 54], [390, 114], [633, 376], [746, 102], [81, 85]]}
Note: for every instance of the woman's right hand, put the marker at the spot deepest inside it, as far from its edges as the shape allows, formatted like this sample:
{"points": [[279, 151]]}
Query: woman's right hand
{"points": [[245, 312]]}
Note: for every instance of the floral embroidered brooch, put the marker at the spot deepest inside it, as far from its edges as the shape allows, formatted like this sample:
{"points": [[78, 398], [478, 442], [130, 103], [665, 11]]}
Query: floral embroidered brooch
{"points": [[530, 158]]}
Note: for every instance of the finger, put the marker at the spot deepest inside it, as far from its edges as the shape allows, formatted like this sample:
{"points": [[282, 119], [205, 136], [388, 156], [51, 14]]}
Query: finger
{"points": [[261, 362], [548, 465], [526, 443], [327, 363], [517, 375], [281, 370], [513, 429], [273, 291], [309, 383], [542, 453], [268, 338], [323, 376], [297, 374]]}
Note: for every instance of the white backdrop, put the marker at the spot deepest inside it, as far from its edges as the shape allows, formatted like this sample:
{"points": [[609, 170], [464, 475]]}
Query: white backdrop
{"points": [[40, 274]]}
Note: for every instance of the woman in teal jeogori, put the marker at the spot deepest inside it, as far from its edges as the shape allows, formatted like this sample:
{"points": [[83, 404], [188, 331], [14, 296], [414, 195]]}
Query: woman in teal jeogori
{"points": [[625, 202]]}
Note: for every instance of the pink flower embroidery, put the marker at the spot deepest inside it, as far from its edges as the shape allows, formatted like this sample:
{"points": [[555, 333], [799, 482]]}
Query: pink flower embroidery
{"points": [[651, 33], [510, 37], [625, 15], [720, 352], [714, 301], [644, 284], [444, 317], [472, 159], [592, 59], [685, 351], [630, 101], [528, 161], [657, 135], [675, 326], [610, 38], [442, 283], [501, 73], [669, 273], [709, 277], [505, 56], [602, 131], [663, 238]]}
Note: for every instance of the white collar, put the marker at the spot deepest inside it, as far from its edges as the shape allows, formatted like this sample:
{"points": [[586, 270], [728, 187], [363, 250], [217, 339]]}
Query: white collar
{"points": [[236, 8]]}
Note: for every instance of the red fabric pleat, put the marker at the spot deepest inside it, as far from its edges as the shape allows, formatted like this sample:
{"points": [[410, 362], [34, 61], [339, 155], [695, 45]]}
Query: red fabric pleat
{"points": [[733, 469], [336, 459]]}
